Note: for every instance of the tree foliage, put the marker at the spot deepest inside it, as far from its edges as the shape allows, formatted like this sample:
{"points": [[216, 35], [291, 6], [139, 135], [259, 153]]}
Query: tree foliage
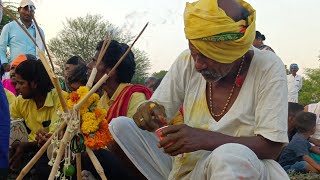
{"points": [[160, 74], [6, 18], [80, 36], [310, 92]]}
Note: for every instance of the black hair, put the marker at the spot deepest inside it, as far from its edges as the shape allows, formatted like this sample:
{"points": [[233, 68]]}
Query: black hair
{"points": [[79, 74], [259, 35], [75, 60], [150, 79], [32, 70], [294, 108], [305, 122], [127, 67]]}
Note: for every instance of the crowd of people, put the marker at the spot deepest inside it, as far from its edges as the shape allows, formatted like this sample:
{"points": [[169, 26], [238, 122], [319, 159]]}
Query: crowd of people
{"points": [[226, 109]]}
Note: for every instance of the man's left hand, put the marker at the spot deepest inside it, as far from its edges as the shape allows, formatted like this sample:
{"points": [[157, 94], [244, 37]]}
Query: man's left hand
{"points": [[179, 139]]}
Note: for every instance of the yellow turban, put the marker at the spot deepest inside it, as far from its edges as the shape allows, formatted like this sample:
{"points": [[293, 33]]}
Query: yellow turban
{"points": [[215, 34]]}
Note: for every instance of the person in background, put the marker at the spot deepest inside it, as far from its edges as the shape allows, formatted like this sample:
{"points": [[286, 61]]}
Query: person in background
{"points": [[258, 42], [70, 65], [151, 82], [293, 109], [16, 39], [295, 156], [10, 83], [78, 77], [294, 82]]}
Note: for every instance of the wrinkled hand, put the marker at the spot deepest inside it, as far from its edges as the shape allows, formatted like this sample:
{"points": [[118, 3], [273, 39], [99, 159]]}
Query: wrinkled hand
{"points": [[42, 137], [150, 116], [179, 139], [18, 150]]}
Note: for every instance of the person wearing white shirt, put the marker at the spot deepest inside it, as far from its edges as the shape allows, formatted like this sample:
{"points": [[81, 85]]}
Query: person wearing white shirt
{"points": [[294, 83]]}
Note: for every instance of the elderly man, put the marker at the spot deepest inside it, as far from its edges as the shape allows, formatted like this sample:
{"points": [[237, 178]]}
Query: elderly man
{"points": [[12, 36], [294, 83], [234, 98]]}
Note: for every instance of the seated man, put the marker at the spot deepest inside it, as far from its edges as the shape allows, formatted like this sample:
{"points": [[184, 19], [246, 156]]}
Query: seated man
{"points": [[120, 98], [37, 105], [234, 99], [295, 156]]}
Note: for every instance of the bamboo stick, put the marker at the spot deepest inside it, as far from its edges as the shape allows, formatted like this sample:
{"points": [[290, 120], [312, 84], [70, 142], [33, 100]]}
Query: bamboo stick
{"points": [[43, 42], [94, 70], [96, 164], [78, 159], [54, 80], [37, 156]]}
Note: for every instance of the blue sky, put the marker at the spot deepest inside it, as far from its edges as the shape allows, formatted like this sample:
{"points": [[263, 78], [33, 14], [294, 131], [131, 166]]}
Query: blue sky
{"points": [[291, 27]]}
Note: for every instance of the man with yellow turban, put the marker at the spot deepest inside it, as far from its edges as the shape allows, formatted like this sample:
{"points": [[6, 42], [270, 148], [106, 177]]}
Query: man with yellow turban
{"points": [[234, 98]]}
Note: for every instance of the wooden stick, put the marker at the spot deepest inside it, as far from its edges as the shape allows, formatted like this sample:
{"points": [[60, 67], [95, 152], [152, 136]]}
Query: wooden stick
{"points": [[78, 159], [106, 76], [96, 164], [103, 50], [37, 156], [43, 42], [94, 70], [92, 90], [17, 21]]}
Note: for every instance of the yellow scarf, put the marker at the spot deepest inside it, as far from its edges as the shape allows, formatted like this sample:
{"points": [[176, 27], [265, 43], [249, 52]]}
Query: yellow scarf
{"points": [[215, 34]]}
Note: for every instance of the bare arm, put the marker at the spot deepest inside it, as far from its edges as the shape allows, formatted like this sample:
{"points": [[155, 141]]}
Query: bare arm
{"points": [[188, 139], [311, 162]]}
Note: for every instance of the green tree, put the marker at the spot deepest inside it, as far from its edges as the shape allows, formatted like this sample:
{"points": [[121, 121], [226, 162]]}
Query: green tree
{"points": [[160, 74], [6, 18], [80, 36], [310, 92]]}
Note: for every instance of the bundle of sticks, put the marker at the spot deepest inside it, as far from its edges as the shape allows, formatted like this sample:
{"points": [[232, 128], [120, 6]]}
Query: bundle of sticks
{"points": [[67, 123]]}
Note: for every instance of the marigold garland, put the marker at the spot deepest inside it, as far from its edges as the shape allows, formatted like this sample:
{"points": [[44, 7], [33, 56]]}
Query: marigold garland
{"points": [[94, 126]]}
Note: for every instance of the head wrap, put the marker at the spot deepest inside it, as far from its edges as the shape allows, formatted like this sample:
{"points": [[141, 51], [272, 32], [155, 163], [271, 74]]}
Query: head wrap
{"points": [[215, 34], [294, 66], [19, 59]]}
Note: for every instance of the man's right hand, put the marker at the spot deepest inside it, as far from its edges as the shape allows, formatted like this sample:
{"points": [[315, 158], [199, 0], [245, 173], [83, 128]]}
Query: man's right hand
{"points": [[150, 116]]}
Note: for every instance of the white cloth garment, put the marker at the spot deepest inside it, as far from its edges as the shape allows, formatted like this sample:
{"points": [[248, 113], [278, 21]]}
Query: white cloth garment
{"points": [[315, 108], [227, 162], [294, 86], [261, 108]]}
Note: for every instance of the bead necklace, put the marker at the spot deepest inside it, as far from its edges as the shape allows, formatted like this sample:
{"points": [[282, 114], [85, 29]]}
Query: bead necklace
{"points": [[230, 95]]}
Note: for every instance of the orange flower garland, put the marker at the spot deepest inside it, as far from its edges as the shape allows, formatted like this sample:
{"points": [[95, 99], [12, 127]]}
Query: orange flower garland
{"points": [[94, 126]]}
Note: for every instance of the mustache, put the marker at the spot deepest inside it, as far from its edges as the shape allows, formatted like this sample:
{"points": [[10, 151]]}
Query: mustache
{"points": [[210, 73]]}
